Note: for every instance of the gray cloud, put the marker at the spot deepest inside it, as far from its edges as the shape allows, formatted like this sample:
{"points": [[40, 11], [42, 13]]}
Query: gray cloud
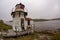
{"points": [[35, 8]]}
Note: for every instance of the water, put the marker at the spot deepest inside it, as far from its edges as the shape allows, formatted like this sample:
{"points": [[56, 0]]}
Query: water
{"points": [[47, 25]]}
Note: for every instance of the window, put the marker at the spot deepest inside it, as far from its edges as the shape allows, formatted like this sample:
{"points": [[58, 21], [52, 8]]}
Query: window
{"points": [[17, 14]]}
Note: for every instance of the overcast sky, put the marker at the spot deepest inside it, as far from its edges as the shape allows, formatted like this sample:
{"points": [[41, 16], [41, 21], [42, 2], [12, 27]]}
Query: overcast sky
{"points": [[36, 8]]}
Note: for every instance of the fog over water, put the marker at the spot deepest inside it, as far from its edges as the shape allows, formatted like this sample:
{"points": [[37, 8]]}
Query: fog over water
{"points": [[50, 25]]}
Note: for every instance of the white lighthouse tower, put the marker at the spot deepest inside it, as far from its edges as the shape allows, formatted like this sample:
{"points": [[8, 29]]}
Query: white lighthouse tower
{"points": [[19, 16], [20, 22]]}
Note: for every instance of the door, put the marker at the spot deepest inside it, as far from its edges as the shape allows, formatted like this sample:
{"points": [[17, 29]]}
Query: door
{"points": [[22, 24]]}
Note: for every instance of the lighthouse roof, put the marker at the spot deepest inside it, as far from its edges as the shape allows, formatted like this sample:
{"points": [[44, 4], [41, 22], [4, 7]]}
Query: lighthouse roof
{"points": [[21, 4], [28, 19]]}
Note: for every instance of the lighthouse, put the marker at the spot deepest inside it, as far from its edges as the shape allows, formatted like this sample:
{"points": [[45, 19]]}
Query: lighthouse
{"points": [[20, 22]]}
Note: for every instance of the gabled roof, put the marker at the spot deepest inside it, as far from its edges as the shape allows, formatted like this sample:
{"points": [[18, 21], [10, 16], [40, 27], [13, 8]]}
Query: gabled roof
{"points": [[28, 19]]}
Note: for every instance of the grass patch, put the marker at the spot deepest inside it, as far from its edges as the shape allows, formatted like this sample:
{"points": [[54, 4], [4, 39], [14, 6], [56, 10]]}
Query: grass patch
{"points": [[4, 26], [56, 37]]}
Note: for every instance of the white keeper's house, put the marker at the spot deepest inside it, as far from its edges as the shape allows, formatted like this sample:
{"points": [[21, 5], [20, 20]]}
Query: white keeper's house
{"points": [[20, 21]]}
